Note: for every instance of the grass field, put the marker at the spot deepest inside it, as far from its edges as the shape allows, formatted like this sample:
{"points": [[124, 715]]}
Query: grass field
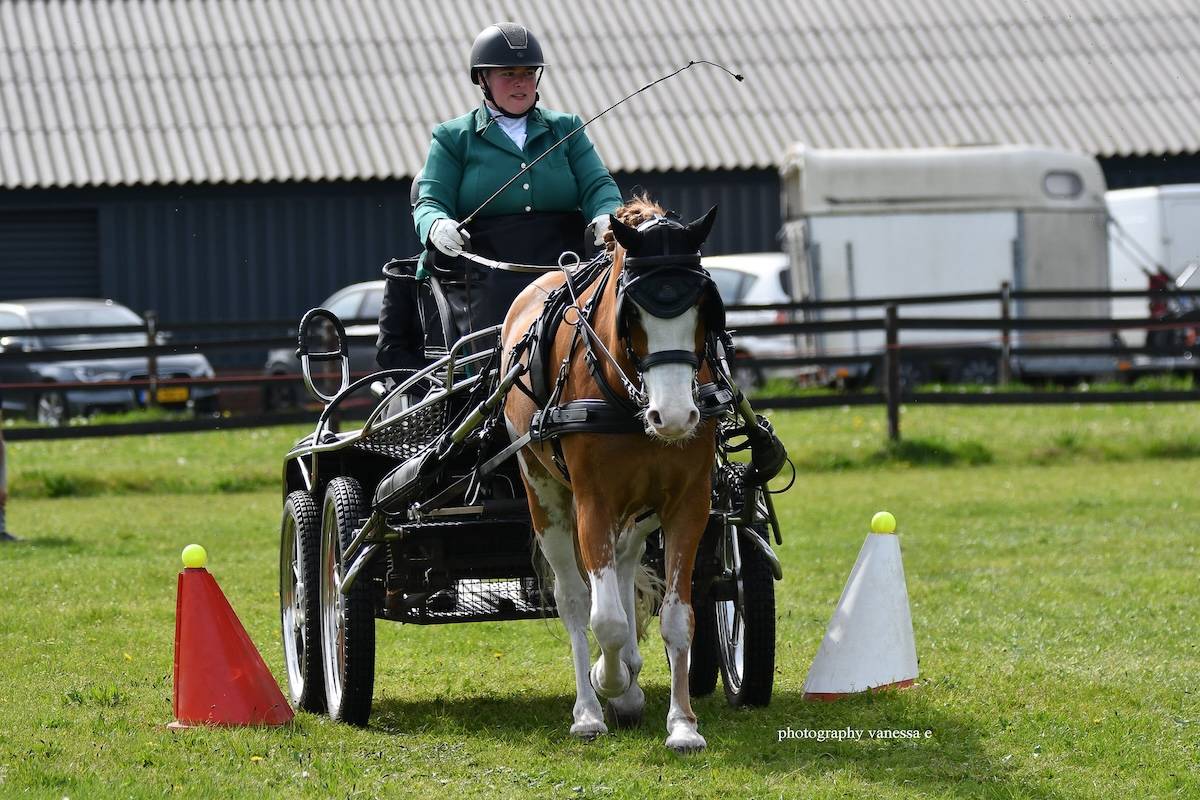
{"points": [[1051, 559]]}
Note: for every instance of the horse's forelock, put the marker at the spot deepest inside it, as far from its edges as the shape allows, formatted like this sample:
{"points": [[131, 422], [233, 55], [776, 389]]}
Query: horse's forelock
{"points": [[639, 209]]}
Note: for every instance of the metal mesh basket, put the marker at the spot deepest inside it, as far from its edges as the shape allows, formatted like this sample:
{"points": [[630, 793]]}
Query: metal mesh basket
{"points": [[477, 600], [408, 435]]}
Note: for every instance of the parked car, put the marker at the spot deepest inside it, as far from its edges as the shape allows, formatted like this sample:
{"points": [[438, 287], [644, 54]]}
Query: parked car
{"points": [[755, 279], [53, 406], [357, 301]]}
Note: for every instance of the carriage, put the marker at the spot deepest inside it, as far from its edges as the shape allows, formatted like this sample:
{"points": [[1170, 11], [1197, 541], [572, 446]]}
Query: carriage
{"points": [[419, 516]]}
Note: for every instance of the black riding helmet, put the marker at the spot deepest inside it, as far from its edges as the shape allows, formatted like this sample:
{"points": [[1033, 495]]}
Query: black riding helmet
{"points": [[504, 44]]}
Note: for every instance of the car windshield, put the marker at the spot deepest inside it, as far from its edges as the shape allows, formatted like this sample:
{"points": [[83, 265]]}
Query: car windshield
{"points": [[731, 284], [374, 302], [87, 317]]}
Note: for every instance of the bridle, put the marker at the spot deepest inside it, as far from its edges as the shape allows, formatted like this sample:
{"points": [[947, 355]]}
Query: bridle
{"points": [[665, 286]]}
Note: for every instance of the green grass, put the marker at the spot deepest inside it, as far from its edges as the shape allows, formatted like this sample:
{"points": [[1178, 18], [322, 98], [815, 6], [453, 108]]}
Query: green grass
{"points": [[1052, 591]]}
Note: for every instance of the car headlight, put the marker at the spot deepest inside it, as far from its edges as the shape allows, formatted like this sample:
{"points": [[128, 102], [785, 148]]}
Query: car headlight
{"points": [[96, 373]]}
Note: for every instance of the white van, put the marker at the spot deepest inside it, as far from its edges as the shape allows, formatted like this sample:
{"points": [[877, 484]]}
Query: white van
{"points": [[879, 223]]}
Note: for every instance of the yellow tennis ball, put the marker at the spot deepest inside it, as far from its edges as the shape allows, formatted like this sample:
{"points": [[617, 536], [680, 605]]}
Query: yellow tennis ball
{"points": [[194, 556], [883, 522]]}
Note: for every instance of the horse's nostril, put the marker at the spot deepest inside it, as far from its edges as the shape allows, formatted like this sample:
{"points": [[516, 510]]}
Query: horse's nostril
{"points": [[654, 417], [693, 418]]}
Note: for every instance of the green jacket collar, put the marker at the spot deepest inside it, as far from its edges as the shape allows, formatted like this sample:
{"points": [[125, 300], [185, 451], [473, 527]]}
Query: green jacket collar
{"points": [[535, 126]]}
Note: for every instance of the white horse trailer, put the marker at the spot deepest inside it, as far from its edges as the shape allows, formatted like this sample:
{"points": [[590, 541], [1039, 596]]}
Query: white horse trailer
{"points": [[880, 223]]}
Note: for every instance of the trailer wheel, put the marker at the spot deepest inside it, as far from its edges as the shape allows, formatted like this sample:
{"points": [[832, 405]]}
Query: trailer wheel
{"points": [[299, 596], [347, 618]]}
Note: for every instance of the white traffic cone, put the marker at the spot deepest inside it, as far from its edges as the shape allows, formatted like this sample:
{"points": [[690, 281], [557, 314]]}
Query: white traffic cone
{"points": [[869, 643]]}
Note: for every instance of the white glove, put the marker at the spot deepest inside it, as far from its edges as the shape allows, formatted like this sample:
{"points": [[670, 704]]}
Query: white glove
{"points": [[600, 226], [447, 238]]}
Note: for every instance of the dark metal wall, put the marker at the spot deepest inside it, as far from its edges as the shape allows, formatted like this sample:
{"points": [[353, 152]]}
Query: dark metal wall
{"points": [[236, 253], [748, 216], [49, 251], [204, 253], [1124, 173]]}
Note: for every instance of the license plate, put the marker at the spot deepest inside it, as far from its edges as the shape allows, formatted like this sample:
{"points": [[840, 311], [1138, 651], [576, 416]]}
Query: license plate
{"points": [[172, 394]]}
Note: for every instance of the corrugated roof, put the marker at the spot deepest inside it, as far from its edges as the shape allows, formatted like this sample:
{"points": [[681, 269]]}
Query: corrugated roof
{"points": [[133, 92]]}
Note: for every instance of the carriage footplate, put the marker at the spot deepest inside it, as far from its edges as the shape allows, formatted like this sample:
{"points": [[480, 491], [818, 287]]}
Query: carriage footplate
{"points": [[465, 571]]}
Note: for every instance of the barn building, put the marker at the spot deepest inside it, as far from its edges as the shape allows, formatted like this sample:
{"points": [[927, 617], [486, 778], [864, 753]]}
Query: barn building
{"points": [[228, 160]]}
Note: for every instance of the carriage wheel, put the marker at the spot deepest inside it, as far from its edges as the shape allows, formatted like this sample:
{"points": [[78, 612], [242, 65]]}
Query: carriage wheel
{"points": [[745, 624], [299, 607], [347, 619]]}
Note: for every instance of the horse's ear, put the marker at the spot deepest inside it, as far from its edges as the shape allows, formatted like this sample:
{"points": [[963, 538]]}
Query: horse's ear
{"points": [[626, 236], [699, 229]]}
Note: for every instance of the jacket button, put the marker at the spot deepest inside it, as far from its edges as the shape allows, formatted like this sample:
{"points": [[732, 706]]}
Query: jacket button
{"points": [[523, 165], [529, 208], [525, 187]]}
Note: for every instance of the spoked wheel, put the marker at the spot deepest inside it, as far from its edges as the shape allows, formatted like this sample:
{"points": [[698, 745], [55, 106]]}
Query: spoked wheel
{"points": [[347, 619], [745, 619], [51, 409], [299, 595]]}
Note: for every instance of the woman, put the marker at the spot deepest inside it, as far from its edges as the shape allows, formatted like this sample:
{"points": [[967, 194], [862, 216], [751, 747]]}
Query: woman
{"points": [[533, 221]]}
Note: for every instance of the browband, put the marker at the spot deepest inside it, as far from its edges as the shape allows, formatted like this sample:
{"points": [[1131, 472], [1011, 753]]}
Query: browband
{"points": [[656, 261]]}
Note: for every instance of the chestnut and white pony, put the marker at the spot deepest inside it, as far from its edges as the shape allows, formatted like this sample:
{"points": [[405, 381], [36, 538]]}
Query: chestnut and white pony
{"points": [[586, 524]]}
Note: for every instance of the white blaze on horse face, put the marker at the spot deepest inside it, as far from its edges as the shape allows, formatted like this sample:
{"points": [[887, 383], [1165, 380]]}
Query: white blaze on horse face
{"points": [[671, 411]]}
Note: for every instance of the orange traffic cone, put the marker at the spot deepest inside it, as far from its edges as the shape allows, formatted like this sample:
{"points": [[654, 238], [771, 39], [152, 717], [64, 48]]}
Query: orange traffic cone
{"points": [[869, 643], [220, 679]]}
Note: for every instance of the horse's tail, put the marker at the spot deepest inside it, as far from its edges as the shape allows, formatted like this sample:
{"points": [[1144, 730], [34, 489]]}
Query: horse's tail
{"points": [[648, 591]]}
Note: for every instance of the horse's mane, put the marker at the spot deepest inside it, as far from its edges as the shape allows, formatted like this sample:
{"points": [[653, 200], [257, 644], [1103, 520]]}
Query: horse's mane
{"points": [[639, 209]]}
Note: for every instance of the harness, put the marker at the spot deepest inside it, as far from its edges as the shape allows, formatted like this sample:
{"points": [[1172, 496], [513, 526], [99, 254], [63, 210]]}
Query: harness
{"points": [[666, 286]]}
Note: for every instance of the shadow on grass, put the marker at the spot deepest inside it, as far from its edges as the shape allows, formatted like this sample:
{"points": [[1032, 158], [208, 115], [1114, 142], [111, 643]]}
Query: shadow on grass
{"points": [[952, 760], [33, 542]]}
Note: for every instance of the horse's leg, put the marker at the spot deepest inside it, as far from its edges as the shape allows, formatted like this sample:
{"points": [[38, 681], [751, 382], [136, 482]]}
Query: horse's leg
{"points": [[682, 531], [598, 536], [627, 708], [550, 504]]}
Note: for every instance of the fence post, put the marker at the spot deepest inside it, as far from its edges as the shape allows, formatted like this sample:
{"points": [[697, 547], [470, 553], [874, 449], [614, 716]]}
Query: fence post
{"points": [[151, 358], [891, 371], [1004, 368]]}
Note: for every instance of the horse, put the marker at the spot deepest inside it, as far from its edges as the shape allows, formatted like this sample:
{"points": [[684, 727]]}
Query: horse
{"points": [[589, 495]]}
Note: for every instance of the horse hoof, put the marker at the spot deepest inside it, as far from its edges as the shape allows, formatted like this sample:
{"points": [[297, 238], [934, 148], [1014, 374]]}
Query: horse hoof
{"points": [[589, 730], [685, 742]]}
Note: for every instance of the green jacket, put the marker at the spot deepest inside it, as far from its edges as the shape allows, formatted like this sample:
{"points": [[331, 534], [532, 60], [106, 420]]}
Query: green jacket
{"points": [[469, 159]]}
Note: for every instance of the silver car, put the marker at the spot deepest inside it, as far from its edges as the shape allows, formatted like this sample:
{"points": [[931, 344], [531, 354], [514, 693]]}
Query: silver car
{"points": [[51, 405], [356, 301], [755, 279]]}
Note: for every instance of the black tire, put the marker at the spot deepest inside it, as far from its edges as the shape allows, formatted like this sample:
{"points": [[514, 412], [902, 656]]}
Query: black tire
{"points": [[299, 601], [978, 372], [347, 619], [280, 395], [704, 660], [745, 624]]}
